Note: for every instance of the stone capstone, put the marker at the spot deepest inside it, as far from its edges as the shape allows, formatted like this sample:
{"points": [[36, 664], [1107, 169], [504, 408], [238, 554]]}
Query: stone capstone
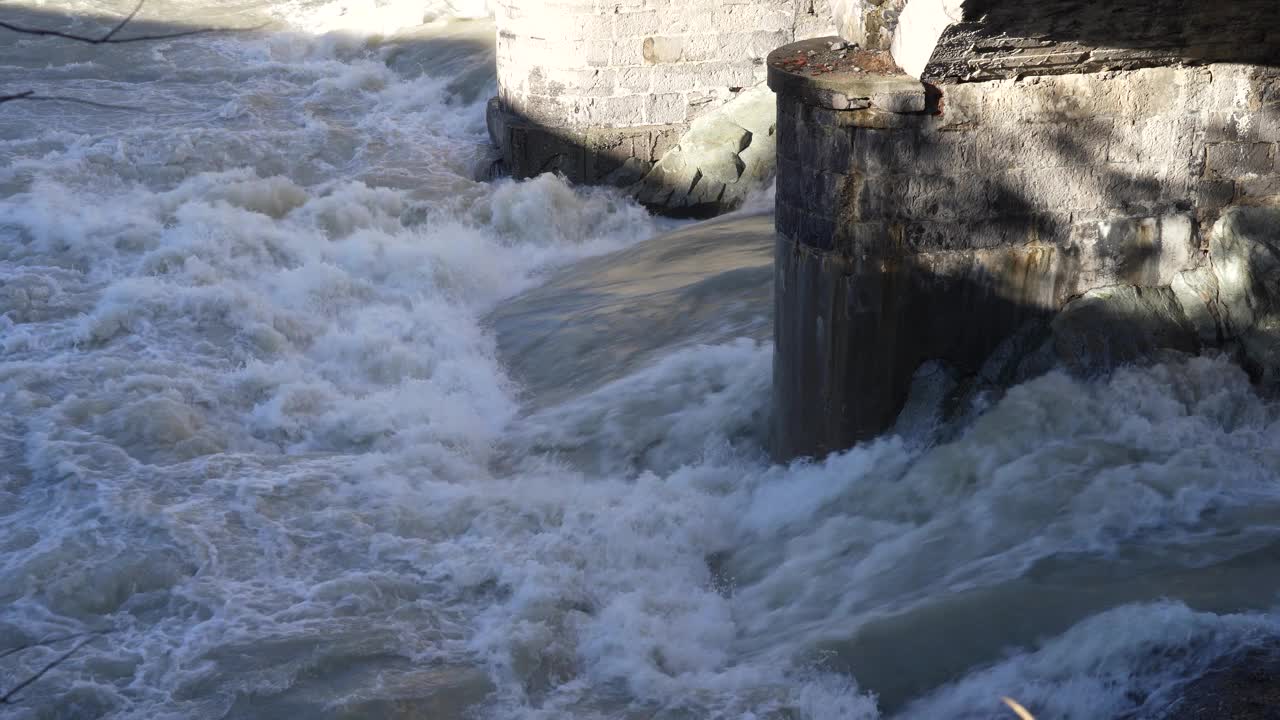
{"points": [[843, 80]]}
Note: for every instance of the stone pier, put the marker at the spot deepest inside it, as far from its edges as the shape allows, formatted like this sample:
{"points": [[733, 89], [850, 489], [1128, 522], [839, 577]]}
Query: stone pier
{"points": [[981, 183], [975, 169], [600, 90]]}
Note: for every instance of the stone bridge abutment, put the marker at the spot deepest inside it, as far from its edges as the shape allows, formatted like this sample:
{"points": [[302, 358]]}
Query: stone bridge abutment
{"points": [[997, 185], [600, 90]]}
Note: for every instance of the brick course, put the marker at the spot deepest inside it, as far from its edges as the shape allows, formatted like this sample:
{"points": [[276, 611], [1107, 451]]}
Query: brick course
{"points": [[566, 67]]}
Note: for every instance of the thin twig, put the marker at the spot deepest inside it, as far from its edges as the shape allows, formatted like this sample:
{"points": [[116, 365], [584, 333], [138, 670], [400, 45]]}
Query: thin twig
{"points": [[108, 40], [120, 25], [19, 96], [8, 697], [110, 37], [63, 98], [52, 641]]}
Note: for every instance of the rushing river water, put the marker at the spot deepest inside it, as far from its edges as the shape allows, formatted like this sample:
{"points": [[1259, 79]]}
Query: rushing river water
{"points": [[286, 411]]}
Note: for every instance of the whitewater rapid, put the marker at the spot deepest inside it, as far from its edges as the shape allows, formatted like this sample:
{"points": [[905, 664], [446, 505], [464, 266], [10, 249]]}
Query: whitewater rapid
{"points": [[306, 417]]}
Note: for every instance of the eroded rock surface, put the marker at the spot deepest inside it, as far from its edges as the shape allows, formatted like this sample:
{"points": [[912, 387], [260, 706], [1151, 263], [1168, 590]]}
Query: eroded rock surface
{"points": [[724, 156], [1122, 324], [1246, 687], [1236, 297], [924, 221]]}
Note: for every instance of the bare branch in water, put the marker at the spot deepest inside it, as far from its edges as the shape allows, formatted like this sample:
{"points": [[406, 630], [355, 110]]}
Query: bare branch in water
{"points": [[111, 39], [51, 641], [29, 95], [19, 96], [7, 698], [120, 25], [108, 39]]}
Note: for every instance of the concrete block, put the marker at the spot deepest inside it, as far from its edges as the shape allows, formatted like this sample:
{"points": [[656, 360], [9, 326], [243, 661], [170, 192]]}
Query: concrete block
{"points": [[597, 52], [752, 17], [1263, 190], [1232, 89], [641, 24], [961, 106], [828, 149], [1231, 127], [1130, 189], [1152, 140], [1213, 193], [1231, 160], [937, 153], [790, 182], [633, 80], [870, 151], [609, 111], [665, 109], [1067, 98], [1044, 145], [707, 47], [627, 52], [1057, 189], [656, 50], [704, 76], [938, 197], [794, 221], [760, 43]]}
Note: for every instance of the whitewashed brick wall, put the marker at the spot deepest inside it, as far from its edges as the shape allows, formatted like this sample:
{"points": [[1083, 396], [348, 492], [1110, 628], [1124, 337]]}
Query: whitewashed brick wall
{"points": [[579, 64]]}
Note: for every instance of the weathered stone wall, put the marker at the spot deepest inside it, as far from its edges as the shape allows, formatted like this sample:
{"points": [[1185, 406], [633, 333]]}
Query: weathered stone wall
{"points": [[962, 40], [1056, 155], [868, 23], [1007, 38], [601, 90], [909, 236]]}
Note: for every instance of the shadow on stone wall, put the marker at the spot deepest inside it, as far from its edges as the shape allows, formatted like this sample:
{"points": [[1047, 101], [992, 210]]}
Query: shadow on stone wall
{"points": [[1011, 37], [603, 156], [1000, 251], [1095, 333], [642, 159]]}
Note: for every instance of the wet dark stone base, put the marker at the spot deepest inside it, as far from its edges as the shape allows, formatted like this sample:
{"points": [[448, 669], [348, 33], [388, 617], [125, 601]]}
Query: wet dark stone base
{"points": [[1244, 688], [591, 156]]}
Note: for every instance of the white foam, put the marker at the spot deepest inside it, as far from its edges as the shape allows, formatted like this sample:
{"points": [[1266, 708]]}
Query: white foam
{"points": [[254, 422], [1126, 661]]}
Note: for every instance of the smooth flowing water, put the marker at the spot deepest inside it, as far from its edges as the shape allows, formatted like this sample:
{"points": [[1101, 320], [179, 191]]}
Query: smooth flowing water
{"points": [[316, 425]]}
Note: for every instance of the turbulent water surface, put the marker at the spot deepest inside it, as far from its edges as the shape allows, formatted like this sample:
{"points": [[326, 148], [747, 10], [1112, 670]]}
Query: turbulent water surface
{"points": [[277, 415]]}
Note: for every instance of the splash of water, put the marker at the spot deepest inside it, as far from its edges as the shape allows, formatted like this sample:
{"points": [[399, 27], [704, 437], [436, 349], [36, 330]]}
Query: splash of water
{"points": [[260, 423]]}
